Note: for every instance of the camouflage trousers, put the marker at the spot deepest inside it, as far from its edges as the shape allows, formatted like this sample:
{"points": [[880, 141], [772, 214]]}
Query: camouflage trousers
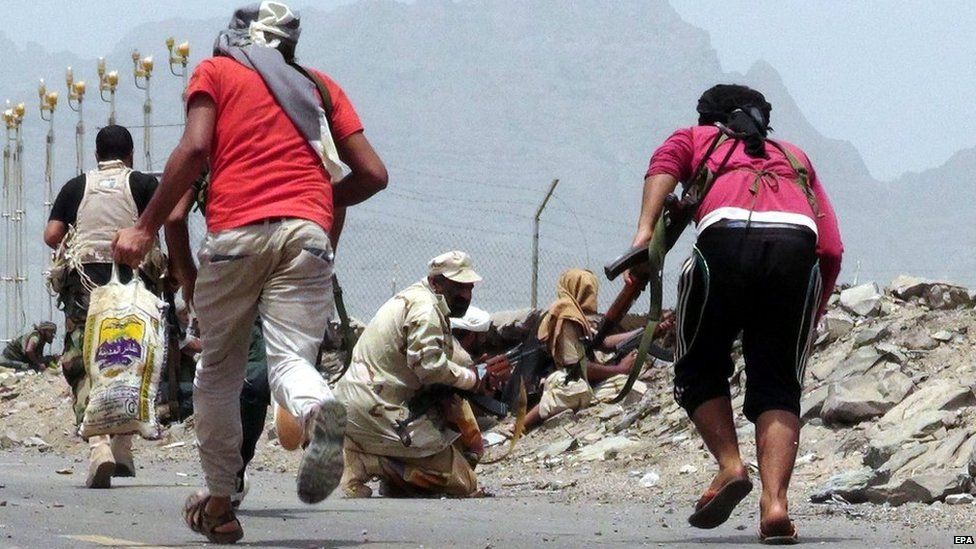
{"points": [[73, 300]]}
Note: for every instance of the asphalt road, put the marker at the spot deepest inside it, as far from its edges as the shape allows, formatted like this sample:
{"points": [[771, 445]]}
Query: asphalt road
{"points": [[40, 507]]}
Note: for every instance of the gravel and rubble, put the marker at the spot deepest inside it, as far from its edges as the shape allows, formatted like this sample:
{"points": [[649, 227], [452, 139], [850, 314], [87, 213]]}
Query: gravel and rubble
{"points": [[889, 410]]}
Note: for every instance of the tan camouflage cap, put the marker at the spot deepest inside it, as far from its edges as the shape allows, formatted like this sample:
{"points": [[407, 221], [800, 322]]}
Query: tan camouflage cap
{"points": [[454, 266]]}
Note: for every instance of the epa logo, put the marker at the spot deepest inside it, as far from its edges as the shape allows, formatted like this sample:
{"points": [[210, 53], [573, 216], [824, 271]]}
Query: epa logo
{"points": [[963, 540]]}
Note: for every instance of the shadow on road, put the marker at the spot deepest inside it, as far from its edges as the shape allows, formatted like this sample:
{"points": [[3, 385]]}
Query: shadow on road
{"points": [[301, 543], [294, 513], [745, 539]]}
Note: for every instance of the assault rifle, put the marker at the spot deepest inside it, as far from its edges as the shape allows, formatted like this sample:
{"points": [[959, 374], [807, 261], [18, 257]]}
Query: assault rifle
{"points": [[531, 363], [631, 343], [425, 400], [677, 214]]}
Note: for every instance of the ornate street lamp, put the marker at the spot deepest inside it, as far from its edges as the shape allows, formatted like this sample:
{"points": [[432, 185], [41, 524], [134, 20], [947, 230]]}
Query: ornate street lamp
{"points": [[48, 103], [179, 56], [107, 82], [76, 100], [142, 68]]}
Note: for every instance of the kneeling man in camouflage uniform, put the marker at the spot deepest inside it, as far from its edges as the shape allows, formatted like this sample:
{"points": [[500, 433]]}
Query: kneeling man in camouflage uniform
{"points": [[404, 352]]}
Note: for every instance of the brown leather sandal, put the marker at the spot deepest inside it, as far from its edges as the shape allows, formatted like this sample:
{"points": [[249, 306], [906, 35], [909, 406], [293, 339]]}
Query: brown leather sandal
{"points": [[196, 517]]}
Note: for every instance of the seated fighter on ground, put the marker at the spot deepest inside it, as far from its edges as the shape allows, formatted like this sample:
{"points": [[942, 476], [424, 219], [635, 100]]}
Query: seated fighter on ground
{"points": [[577, 381], [27, 351], [405, 352]]}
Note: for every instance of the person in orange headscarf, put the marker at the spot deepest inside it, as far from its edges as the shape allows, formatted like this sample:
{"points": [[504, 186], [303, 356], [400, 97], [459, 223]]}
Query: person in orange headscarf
{"points": [[564, 330]]}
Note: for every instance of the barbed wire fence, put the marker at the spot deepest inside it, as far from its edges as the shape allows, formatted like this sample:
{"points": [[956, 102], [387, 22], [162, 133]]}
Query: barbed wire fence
{"points": [[387, 241]]}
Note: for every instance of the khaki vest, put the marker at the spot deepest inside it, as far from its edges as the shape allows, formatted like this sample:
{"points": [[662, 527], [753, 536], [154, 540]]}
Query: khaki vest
{"points": [[106, 207]]}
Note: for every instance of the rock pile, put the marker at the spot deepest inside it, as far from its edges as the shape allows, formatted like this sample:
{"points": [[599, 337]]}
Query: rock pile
{"points": [[901, 375], [889, 408]]}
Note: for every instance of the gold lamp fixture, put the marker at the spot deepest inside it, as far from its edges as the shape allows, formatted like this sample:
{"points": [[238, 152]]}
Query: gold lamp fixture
{"points": [[48, 101], [142, 68], [76, 90], [108, 81], [179, 55], [14, 116]]}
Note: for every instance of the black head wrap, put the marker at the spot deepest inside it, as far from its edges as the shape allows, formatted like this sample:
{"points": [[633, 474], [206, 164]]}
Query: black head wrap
{"points": [[742, 109]]}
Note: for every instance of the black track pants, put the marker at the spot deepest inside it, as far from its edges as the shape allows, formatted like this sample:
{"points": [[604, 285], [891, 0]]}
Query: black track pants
{"points": [[764, 283]]}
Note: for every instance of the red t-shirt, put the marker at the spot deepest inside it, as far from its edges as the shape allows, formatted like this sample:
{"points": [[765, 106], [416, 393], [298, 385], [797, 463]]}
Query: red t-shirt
{"points": [[260, 164]]}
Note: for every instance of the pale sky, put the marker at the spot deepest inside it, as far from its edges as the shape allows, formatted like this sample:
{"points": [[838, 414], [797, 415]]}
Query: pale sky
{"points": [[894, 77]]}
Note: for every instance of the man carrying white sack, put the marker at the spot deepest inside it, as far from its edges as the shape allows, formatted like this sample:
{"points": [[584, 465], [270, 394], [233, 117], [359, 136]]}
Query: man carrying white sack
{"points": [[274, 142], [84, 218]]}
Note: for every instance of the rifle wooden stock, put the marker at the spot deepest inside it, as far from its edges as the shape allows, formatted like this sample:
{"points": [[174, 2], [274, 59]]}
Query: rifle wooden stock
{"points": [[618, 309]]}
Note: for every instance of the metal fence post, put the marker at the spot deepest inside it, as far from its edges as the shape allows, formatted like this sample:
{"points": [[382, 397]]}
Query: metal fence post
{"points": [[535, 243]]}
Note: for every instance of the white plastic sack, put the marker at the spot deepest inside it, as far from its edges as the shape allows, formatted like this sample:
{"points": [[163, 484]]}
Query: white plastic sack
{"points": [[124, 350]]}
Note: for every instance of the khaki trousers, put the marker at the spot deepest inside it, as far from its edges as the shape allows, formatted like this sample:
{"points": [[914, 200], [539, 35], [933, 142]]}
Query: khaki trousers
{"points": [[283, 271]]}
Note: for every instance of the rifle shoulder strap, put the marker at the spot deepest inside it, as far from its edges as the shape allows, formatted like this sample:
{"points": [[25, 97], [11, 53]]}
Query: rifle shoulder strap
{"points": [[701, 179], [802, 176]]}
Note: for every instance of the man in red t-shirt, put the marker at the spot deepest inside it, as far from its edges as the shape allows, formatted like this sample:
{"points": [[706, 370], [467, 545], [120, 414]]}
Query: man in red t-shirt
{"points": [[251, 115]]}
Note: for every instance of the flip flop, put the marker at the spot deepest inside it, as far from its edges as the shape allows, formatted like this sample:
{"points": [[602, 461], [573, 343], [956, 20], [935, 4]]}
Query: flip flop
{"points": [[717, 510], [791, 538]]}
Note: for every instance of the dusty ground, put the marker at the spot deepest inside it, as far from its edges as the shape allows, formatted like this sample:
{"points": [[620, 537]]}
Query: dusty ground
{"points": [[659, 461]]}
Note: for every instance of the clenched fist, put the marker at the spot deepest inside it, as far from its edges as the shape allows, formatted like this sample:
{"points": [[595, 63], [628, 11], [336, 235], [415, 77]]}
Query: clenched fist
{"points": [[131, 246]]}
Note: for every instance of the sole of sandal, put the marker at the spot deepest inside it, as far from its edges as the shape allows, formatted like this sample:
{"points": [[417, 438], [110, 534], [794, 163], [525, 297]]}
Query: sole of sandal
{"points": [[321, 467], [720, 508]]}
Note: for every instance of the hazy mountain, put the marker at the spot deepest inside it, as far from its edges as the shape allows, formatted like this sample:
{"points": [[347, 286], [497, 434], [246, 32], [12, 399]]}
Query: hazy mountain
{"points": [[477, 105]]}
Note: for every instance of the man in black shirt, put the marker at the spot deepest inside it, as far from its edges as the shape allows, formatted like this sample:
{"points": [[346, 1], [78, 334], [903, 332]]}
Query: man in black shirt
{"points": [[87, 213]]}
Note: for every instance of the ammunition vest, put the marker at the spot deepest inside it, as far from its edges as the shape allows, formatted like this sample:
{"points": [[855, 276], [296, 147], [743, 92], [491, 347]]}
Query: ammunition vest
{"points": [[106, 207]]}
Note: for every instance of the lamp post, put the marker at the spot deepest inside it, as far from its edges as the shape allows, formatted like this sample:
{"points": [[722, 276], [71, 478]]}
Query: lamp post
{"points": [[107, 82], [20, 274], [7, 278], [76, 100], [178, 57], [13, 177], [48, 102], [142, 68]]}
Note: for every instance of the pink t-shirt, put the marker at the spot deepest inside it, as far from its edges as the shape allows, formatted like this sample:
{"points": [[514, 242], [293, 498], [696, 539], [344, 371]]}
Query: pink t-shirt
{"points": [[777, 198]]}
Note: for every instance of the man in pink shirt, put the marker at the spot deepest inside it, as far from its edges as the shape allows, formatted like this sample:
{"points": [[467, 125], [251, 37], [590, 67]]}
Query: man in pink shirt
{"points": [[766, 259]]}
